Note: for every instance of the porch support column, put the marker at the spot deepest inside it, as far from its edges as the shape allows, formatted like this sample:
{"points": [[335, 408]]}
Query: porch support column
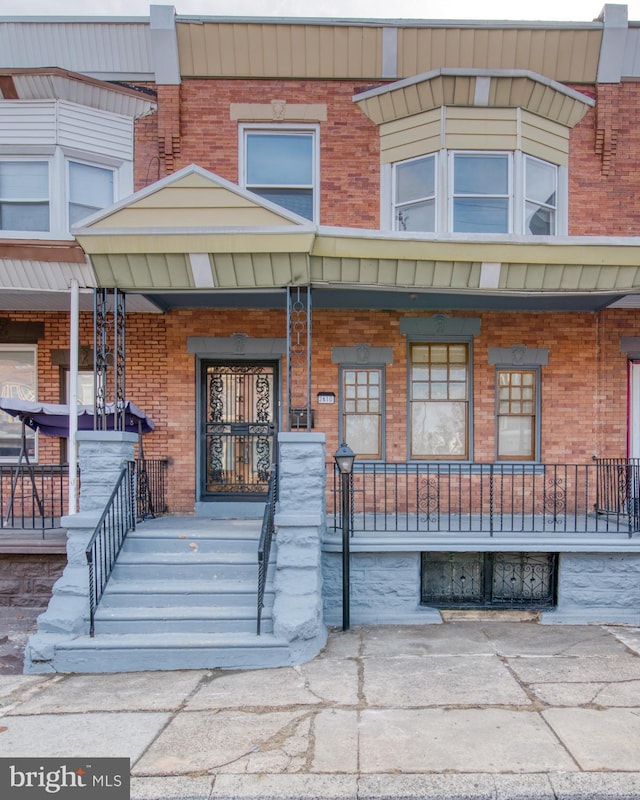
{"points": [[300, 520], [102, 454]]}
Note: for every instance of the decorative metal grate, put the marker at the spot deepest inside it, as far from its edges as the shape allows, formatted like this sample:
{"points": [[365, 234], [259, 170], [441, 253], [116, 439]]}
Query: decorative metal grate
{"points": [[239, 428], [299, 356], [109, 319], [481, 580]]}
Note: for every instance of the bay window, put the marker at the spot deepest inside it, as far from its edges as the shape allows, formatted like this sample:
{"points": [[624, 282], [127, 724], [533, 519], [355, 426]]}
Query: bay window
{"points": [[24, 195], [415, 194]]}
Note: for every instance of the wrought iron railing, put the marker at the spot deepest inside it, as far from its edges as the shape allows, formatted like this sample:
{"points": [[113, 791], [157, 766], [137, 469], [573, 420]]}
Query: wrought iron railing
{"points": [[151, 484], [118, 518], [266, 537], [618, 489], [483, 498], [33, 496]]}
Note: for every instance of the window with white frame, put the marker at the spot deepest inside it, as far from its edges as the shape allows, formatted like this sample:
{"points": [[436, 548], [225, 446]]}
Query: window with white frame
{"points": [[481, 193], [281, 165], [24, 195], [18, 367], [478, 192], [90, 189], [45, 197], [414, 193]]}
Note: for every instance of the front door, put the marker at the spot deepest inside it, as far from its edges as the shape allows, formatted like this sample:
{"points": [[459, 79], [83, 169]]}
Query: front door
{"points": [[239, 426]]}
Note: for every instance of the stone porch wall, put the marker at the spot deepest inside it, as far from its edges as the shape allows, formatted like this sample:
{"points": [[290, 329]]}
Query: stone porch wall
{"points": [[26, 579]]}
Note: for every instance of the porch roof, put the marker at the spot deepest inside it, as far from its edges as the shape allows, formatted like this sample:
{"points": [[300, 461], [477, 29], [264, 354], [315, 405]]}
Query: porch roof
{"points": [[195, 232]]}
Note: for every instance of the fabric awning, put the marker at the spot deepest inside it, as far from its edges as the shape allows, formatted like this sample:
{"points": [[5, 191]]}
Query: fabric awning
{"points": [[52, 419]]}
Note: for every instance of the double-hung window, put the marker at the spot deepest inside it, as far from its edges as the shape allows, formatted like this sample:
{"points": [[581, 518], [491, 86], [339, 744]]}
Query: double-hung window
{"points": [[362, 410], [415, 195], [282, 166], [478, 192], [517, 414], [90, 189], [24, 195], [540, 197], [48, 196], [481, 193], [439, 400]]}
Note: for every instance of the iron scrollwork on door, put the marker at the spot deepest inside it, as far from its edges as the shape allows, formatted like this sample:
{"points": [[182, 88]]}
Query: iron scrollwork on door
{"points": [[239, 428]]}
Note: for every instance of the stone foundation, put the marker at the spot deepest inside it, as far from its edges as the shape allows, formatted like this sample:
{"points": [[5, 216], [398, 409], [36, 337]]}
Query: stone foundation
{"points": [[26, 579]]}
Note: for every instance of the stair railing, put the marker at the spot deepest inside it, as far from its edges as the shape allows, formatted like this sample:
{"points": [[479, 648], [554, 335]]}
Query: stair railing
{"points": [[266, 536], [118, 518]]}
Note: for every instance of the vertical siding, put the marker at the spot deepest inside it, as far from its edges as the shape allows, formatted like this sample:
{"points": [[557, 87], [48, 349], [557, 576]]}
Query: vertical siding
{"points": [[561, 54], [246, 49]]}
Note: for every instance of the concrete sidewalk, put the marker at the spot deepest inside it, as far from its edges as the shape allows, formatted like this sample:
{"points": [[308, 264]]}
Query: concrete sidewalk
{"points": [[474, 710]]}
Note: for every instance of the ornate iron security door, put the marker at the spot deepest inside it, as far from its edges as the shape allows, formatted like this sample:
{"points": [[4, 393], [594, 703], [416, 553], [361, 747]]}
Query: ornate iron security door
{"points": [[239, 428]]}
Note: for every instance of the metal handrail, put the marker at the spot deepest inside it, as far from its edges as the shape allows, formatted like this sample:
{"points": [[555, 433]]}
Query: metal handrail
{"points": [[117, 519], [264, 545]]}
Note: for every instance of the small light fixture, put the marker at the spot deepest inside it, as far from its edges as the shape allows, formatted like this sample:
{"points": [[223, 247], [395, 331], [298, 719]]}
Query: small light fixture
{"points": [[344, 457]]}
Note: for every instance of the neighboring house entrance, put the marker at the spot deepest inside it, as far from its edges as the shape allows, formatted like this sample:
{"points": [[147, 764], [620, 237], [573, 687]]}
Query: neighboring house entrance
{"points": [[239, 428]]}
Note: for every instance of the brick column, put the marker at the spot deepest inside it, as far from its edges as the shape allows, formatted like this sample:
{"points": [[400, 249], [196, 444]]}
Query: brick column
{"points": [[102, 454], [299, 521]]}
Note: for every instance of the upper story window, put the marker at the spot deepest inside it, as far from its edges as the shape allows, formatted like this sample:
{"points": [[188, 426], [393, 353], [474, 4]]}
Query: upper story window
{"points": [[90, 189], [45, 197], [476, 192], [480, 195], [281, 166], [24, 196]]}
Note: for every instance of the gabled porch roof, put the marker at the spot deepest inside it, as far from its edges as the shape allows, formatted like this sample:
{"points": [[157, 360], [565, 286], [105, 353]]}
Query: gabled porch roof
{"points": [[194, 232]]}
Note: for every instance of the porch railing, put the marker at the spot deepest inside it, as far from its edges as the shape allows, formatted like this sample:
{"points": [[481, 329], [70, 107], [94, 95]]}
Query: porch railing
{"points": [[487, 498], [118, 518], [151, 485], [266, 537], [618, 489], [33, 496]]}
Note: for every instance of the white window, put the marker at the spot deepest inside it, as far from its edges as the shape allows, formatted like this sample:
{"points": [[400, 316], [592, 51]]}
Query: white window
{"points": [[414, 193], [476, 192], [43, 198], [282, 166], [18, 382], [24, 195], [90, 189], [481, 193], [540, 196]]}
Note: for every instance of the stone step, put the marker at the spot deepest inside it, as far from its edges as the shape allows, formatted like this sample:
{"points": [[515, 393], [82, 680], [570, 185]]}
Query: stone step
{"points": [[182, 593], [170, 651], [179, 541], [181, 619], [193, 565]]}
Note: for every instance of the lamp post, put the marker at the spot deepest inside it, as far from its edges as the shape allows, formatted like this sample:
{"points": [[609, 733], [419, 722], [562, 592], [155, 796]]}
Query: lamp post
{"points": [[344, 457]]}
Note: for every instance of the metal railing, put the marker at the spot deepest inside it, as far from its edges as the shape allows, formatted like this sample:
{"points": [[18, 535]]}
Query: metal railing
{"points": [[483, 498], [118, 518], [33, 496], [151, 484], [618, 489], [266, 536]]}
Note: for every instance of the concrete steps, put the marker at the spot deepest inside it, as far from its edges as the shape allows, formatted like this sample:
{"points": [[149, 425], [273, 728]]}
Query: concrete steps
{"points": [[182, 595]]}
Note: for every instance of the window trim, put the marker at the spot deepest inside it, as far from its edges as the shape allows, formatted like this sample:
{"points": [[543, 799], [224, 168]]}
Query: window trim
{"points": [[346, 367], [535, 459], [525, 197], [283, 129], [47, 159], [33, 348]]}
